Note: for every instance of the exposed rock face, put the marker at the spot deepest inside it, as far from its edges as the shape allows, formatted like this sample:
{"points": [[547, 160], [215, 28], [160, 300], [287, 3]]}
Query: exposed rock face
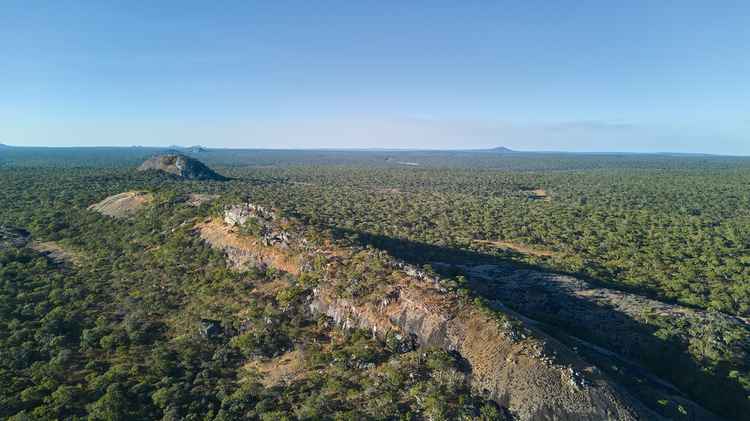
{"points": [[532, 375], [123, 205], [181, 166], [524, 370], [624, 323], [600, 311], [239, 214], [265, 221], [244, 252]]}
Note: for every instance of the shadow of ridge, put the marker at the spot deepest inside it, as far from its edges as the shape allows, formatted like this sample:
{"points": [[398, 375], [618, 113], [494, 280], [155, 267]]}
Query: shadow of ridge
{"points": [[562, 313]]}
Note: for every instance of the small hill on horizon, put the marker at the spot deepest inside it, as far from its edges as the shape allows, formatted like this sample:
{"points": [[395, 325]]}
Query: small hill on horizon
{"points": [[501, 149], [194, 148], [180, 165]]}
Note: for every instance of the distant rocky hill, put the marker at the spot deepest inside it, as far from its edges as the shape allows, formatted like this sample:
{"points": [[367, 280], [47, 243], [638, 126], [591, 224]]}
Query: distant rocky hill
{"points": [[191, 149], [181, 166], [501, 149]]}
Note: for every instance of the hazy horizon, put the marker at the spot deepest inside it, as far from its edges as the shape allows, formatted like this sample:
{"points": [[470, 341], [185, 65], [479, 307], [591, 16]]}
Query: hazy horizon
{"points": [[571, 77], [376, 149]]}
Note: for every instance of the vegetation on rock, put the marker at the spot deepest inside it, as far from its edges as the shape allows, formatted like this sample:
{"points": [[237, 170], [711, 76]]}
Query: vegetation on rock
{"points": [[117, 336]]}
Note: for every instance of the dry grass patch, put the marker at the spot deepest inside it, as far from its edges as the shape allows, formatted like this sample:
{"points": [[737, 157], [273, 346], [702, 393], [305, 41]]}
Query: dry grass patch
{"points": [[270, 289], [56, 252], [539, 194], [519, 248], [282, 369]]}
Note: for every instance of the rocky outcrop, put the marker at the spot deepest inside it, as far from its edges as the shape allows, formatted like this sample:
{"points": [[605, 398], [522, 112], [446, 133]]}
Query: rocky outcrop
{"points": [[180, 165], [239, 214], [598, 311], [244, 252], [13, 237], [679, 343], [123, 205], [531, 374]]}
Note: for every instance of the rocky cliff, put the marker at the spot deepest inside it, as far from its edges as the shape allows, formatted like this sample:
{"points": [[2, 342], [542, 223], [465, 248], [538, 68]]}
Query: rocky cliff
{"points": [[677, 343], [531, 374]]}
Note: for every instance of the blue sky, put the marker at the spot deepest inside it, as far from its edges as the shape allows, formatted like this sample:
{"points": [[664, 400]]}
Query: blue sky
{"points": [[547, 75]]}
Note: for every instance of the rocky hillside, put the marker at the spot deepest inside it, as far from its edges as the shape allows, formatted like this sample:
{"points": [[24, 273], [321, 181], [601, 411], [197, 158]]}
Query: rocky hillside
{"points": [[677, 343], [123, 205], [528, 372], [181, 166]]}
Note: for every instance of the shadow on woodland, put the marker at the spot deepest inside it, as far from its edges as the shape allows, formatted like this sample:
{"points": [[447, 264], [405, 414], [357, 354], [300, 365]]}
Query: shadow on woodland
{"points": [[668, 359]]}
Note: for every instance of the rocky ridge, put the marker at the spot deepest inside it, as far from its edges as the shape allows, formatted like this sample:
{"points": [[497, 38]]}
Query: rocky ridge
{"points": [[533, 375], [625, 323]]}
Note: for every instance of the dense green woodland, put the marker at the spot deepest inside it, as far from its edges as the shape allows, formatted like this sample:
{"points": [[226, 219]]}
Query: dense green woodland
{"points": [[116, 337]]}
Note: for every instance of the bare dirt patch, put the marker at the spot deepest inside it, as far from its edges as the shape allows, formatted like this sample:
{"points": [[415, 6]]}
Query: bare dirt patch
{"points": [[282, 369], [538, 194], [197, 199], [123, 205], [389, 190]]}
